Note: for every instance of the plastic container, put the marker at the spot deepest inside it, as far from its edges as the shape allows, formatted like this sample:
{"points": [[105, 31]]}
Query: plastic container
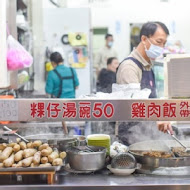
{"points": [[99, 140]]}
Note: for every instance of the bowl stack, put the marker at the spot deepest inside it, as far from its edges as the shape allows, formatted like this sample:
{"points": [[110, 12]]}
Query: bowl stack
{"points": [[99, 140]]}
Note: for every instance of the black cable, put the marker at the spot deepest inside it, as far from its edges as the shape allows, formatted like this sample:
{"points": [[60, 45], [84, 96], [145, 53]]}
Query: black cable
{"points": [[51, 1]]}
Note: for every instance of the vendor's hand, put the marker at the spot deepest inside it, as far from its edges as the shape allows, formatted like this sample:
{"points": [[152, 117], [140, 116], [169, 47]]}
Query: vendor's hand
{"points": [[164, 126]]}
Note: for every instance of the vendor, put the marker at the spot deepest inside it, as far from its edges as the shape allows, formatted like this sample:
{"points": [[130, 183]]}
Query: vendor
{"points": [[137, 67], [62, 81]]}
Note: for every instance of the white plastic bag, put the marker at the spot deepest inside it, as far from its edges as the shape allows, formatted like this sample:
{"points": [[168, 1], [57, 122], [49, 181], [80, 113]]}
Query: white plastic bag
{"points": [[17, 56], [116, 148], [132, 90], [126, 87]]}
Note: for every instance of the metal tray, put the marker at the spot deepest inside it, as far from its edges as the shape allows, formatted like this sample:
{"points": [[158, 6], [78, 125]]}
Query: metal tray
{"points": [[50, 137], [153, 162], [59, 141], [31, 169]]}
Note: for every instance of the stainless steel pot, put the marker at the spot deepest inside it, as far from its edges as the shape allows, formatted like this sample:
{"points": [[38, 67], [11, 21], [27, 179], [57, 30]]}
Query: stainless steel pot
{"points": [[61, 142], [87, 161], [154, 145]]}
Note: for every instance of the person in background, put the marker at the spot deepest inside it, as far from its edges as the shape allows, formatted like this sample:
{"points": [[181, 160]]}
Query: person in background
{"points": [[62, 81], [106, 52], [137, 67], [108, 76]]}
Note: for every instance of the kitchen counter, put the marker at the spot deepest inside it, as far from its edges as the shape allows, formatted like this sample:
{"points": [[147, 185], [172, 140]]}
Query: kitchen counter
{"points": [[104, 181]]}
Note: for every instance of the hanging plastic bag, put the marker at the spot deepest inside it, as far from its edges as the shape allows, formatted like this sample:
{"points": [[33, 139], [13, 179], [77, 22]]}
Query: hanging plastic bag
{"points": [[17, 56]]}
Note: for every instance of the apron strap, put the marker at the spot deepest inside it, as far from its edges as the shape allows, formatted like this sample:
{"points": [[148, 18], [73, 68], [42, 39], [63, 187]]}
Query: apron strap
{"points": [[64, 78], [138, 63], [61, 81], [73, 78]]}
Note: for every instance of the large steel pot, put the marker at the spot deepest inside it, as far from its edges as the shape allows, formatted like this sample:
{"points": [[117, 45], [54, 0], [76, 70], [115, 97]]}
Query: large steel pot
{"points": [[62, 142], [87, 161], [154, 145]]}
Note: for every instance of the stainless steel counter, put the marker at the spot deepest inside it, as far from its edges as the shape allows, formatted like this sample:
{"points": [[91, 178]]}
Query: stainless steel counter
{"points": [[97, 182]]}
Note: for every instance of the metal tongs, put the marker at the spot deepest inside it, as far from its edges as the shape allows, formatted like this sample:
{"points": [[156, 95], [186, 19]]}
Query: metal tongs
{"points": [[174, 137], [8, 132], [11, 131], [86, 149]]}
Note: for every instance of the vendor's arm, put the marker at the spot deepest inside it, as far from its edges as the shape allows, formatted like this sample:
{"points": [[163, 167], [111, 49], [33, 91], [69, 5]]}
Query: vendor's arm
{"points": [[76, 80], [164, 126]]}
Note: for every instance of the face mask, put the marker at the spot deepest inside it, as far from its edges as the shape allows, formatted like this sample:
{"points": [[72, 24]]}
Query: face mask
{"points": [[154, 51], [110, 44]]}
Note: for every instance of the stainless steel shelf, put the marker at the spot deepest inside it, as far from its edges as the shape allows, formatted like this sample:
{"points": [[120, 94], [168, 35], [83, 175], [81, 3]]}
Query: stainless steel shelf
{"points": [[105, 182]]}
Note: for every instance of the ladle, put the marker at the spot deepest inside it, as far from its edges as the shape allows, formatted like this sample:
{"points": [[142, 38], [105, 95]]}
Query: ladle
{"points": [[174, 137]]}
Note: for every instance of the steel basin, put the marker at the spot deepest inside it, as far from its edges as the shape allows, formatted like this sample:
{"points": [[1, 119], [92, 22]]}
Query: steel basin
{"points": [[87, 161]]}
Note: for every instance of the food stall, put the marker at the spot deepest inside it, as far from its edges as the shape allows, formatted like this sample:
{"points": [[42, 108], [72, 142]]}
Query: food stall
{"points": [[57, 161], [159, 166]]}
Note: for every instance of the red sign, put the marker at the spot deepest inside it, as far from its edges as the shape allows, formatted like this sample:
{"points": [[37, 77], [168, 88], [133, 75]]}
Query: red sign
{"points": [[184, 109], [99, 110], [140, 110], [70, 110], [33, 108], [154, 110], [169, 110], [85, 110], [82, 110], [53, 110]]}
